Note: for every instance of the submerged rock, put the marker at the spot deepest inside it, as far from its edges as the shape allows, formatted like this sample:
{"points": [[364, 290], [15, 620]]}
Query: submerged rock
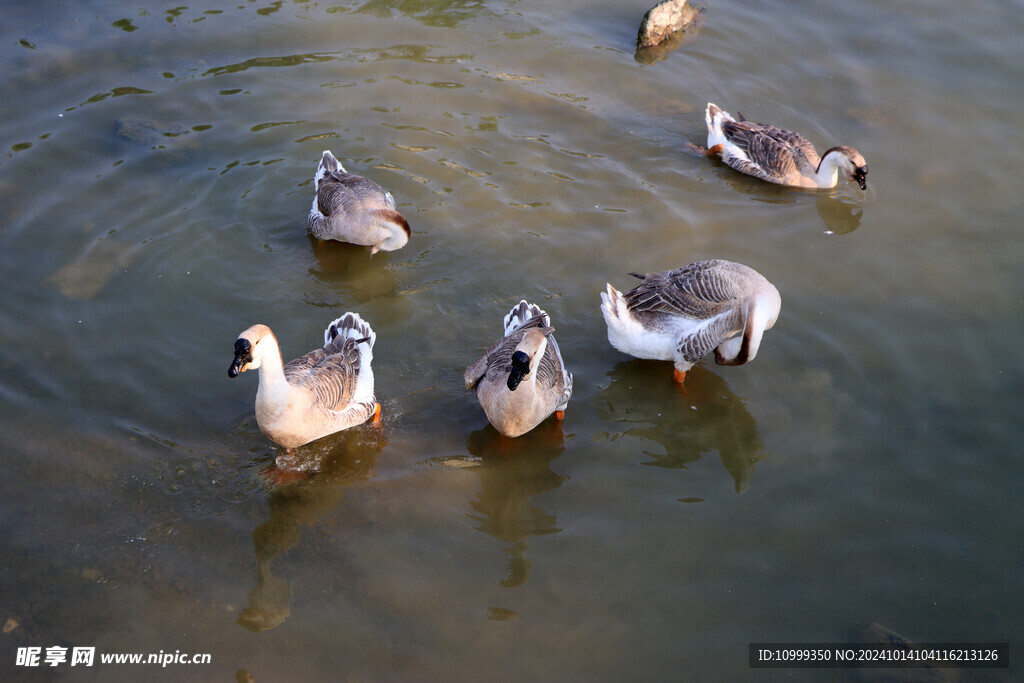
{"points": [[664, 27], [155, 134], [145, 131], [84, 277]]}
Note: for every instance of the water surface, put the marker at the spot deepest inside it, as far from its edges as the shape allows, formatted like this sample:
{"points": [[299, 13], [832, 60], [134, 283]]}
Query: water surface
{"points": [[156, 167]]}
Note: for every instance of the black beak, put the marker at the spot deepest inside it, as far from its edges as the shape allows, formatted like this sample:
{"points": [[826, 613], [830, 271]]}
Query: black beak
{"points": [[520, 368], [861, 176], [243, 356]]}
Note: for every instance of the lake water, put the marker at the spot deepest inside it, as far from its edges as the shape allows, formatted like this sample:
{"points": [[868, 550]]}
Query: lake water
{"points": [[156, 167]]}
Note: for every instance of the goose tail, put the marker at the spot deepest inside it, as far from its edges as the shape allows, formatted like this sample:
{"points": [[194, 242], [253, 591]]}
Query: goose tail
{"points": [[715, 116], [328, 163], [522, 313], [351, 326], [622, 326], [613, 306]]}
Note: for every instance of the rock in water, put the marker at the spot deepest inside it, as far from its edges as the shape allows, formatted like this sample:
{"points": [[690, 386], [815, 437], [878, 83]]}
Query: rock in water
{"points": [[146, 132], [86, 275], [665, 23]]}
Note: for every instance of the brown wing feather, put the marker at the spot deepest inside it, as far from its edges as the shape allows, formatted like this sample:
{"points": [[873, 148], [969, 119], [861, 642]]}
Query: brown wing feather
{"points": [[302, 364], [330, 373], [549, 371], [800, 144], [772, 153], [706, 339], [700, 290]]}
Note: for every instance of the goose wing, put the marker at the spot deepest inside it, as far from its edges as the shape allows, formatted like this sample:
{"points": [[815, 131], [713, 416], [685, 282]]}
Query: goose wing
{"points": [[771, 153], [329, 373], [550, 370], [496, 359], [552, 375], [346, 192], [706, 339], [801, 145], [700, 291]]}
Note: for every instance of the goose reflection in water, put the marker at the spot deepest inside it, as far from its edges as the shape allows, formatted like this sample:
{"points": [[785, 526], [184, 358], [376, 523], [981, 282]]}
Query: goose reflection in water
{"points": [[840, 210], [297, 500], [687, 421], [349, 269], [512, 472], [841, 216]]}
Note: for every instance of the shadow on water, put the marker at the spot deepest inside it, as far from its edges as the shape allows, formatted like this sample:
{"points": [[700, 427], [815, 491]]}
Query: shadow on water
{"points": [[298, 497], [352, 268], [688, 421], [512, 472], [839, 211], [840, 215]]}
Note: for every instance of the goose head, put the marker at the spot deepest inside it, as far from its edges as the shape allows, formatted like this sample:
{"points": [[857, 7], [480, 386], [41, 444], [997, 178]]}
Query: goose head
{"points": [[762, 313], [520, 369], [851, 164], [531, 347], [761, 316], [250, 347]]}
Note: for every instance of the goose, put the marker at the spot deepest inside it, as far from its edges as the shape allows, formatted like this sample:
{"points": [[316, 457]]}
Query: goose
{"points": [[522, 379], [354, 209], [325, 391], [683, 314], [779, 156]]}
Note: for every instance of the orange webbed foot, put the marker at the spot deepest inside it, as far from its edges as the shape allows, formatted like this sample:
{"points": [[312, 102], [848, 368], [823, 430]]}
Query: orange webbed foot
{"points": [[678, 375], [375, 418], [559, 414]]}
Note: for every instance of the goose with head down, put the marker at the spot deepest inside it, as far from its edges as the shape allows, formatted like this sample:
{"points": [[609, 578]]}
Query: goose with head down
{"points": [[779, 156], [350, 208], [684, 314], [325, 391], [522, 379]]}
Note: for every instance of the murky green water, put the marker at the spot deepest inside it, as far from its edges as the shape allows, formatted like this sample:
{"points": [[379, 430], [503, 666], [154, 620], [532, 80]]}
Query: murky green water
{"points": [[156, 168]]}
